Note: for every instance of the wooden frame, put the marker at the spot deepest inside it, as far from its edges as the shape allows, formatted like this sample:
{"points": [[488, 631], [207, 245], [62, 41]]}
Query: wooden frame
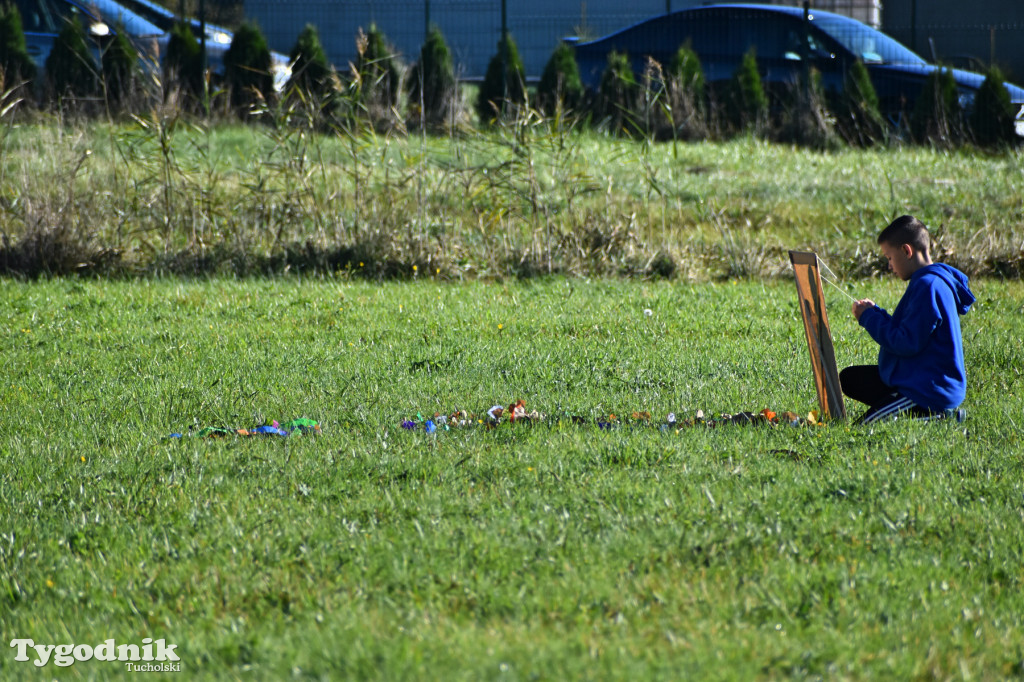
{"points": [[819, 337]]}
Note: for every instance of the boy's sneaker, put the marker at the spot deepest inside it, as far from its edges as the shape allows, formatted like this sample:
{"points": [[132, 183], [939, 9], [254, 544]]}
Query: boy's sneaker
{"points": [[923, 415]]}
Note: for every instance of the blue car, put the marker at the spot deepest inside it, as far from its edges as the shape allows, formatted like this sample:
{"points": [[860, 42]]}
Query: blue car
{"points": [[786, 42], [147, 25], [218, 38], [42, 20]]}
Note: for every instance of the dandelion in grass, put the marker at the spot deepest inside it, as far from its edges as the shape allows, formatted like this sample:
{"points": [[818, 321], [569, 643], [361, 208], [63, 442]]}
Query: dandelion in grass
{"points": [[49, 583]]}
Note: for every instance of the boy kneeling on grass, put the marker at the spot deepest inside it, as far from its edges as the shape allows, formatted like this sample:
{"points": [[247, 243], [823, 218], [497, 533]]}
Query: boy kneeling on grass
{"points": [[920, 371]]}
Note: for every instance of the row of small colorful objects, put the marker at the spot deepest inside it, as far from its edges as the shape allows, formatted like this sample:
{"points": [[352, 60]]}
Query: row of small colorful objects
{"points": [[293, 427], [516, 413]]}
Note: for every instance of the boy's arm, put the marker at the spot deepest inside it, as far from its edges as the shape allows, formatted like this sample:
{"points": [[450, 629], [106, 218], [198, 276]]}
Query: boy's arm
{"points": [[911, 334]]}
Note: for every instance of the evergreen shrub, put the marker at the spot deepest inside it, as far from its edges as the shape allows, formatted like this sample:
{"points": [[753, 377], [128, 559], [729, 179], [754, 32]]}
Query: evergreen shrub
{"points": [[71, 68], [858, 119], [502, 92], [560, 83], [15, 63], [378, 76], [120, 68], [618, 95], [937, 117], [247, 69], [687, 94], [433, 89], [746, 104], [183, 65], [991, 121]]}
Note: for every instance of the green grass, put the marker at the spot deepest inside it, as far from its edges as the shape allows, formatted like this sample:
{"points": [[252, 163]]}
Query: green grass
{"points": [[544, 552]]}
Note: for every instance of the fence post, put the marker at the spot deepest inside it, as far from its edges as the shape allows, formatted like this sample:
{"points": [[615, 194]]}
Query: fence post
{"points": [[504, 53], [202, 48]]}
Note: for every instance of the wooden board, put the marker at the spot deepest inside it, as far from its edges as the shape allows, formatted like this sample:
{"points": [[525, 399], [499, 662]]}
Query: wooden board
{"points": [[819, 337]]}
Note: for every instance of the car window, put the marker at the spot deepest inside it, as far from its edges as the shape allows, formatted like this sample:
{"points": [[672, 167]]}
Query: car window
{"points": [[158, 16], [732, 32], [708, 35], [65, 11], [115, 14], [36, 16], [706, 32], [771, 36], [48, 16], [869, 45]]}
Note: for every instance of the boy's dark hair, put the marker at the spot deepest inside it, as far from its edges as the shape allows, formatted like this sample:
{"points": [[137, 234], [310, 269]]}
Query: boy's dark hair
{"points": [[906, 230]]}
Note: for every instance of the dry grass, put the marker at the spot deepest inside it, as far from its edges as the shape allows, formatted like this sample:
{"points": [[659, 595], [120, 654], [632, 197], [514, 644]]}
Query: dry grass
{"points": [[531, 197]]}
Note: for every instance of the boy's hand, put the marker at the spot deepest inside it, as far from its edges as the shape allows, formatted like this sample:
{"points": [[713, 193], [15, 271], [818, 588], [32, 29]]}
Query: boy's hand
{"points": [[860, 306]]}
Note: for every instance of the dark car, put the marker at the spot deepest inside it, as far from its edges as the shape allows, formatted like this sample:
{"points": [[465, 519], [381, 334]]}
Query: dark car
{"points": [[218, 38], [787, 40], [147, 25], [42, 20]]}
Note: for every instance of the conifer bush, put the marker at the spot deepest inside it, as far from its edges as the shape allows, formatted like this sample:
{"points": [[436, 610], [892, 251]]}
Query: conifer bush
{"points": [[805, 118], [991, 121], [937, 117], [560, 83], [858, 119], [120, 66], [617, 95], [311, 72], [687, 94], [71, 69], [502, 92], [433, 90], [313, 82], [746, 104], [247, 70], [378, 76], [183, 65], [16, 66]]}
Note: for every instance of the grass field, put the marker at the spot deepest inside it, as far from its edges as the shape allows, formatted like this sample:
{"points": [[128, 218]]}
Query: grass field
{"points": [[553, 551], [164, 197]]}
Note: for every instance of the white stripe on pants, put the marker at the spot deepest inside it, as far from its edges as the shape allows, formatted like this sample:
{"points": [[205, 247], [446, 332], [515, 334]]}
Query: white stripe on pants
{"points": [[891, 410]]}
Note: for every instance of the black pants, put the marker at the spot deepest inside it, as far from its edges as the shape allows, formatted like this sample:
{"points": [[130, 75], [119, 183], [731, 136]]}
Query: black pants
{"points": [[864, 384]]}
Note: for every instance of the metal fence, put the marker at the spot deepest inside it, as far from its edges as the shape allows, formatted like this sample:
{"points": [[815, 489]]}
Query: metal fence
{"points": [[471, 27]]}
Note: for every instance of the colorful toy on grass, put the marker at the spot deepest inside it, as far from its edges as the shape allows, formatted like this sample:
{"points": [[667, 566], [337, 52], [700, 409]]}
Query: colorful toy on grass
{"points": [[295, 426], [516, 414]]}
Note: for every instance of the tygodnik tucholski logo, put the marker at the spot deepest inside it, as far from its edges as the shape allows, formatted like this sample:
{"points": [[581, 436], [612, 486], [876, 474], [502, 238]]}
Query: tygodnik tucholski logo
{"points": [[150, 656]]}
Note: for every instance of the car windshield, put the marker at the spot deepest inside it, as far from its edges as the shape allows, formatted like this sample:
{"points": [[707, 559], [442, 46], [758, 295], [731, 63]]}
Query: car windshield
{"points": [[157, 16], [115, 14], [873, 47]]}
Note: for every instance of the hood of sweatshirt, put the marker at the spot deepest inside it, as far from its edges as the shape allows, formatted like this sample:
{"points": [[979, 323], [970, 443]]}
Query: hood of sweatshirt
{"points": [[956, 280]]}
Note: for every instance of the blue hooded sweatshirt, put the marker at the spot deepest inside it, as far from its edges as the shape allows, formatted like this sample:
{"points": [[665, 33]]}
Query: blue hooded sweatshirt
{"points": [[921, 352]]}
